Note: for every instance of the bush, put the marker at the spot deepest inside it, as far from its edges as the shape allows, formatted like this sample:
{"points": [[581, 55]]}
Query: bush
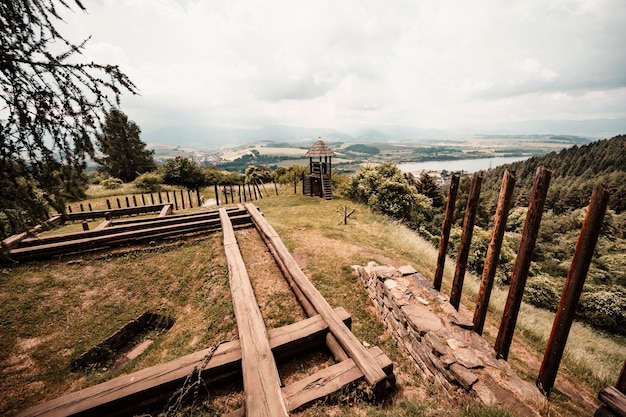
{"points": [[541, 291], [604, 307], [111, 183], [94, 177], [150, 182]]}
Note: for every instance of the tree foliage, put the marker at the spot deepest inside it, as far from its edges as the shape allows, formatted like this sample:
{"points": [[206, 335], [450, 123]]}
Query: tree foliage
{"points": [[123, 154], [184, 172], [50, 104]]}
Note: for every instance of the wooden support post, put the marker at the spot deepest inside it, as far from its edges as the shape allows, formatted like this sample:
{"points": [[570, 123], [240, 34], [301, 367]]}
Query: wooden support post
{"points": [[81, 207], [445, 230], [256, 184], [493, 251], [275, 187], [621, 381], [134, 200], [189, 198], [198, 199], [225, 194], [346, 214], [69, 208], [615, 401], [232, 194], [295, 183], [143, 199], [85, 226], [262, 393], [374, 375], [152, 198], [89, 206], [267, 194], [167, 196], [108, 204], [573, 289], [217, 195], [160, 198], [522, 262], [466, 240], [127, 201], [239, 192], [175, 201], [182, 199], [253, 189], [119, 203]]}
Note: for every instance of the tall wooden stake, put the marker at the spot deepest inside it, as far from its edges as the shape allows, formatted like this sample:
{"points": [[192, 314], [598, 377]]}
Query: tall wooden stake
{"points": [[445, 230], [522, 262], [493, 251], [573, 288], [217, 195], [466, 240]]}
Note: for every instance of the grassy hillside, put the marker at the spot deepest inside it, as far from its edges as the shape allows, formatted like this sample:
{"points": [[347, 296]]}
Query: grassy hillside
{"points": [[52, 311]]}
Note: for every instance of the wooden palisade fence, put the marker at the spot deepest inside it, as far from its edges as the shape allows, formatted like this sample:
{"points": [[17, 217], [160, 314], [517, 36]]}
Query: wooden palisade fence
{"points": [[613, 397]]}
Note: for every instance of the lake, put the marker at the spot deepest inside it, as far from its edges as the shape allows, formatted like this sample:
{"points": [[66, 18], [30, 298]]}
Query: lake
{"points": [[465, 165]]}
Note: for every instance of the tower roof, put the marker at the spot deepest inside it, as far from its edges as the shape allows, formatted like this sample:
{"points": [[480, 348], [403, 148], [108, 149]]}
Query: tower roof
{"points": [[319, 148]]}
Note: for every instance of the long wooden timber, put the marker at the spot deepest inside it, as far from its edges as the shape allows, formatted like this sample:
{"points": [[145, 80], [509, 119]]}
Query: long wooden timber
{"points": [[15, 240], [123, 238], [261, 382], [325, 382], [127, 211], [130, 394], [373, 373], [116, 227], [614, 399]]}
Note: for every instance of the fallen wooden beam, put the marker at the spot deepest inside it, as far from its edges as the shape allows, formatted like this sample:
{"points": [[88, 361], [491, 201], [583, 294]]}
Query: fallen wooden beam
{"points": [[325, 382], [166, 210], [614, 400], [104, 225], [127, 211], [374, 375], [261, 382], [15, 240], [128, 394]]}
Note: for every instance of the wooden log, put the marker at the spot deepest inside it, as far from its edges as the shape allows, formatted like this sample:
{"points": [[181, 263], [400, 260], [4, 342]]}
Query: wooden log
{"points": [[15, 240], [127, 393], [621, 381], [445, 230], [614, 399], [104, 224], [325, 382], [374, 375], [114, 212], [573, 288], [522, 262], [493, 251], [217, 195], [466, 240], [261, 382], [166, 210]]}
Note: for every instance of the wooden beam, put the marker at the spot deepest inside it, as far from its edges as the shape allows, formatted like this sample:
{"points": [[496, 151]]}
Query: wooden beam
{"points": [[127, 211], [104, 224], [614, 399], [166, 210], [261, 382], [325, 382], [374, 375], [125, 394]]}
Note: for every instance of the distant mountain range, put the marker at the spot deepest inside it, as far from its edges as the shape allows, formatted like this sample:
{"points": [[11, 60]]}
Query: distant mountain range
{"points": [[209, 137]]}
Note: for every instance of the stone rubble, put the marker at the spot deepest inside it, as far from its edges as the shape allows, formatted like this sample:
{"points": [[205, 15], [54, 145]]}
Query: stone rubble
{"points": [[440, 340]]}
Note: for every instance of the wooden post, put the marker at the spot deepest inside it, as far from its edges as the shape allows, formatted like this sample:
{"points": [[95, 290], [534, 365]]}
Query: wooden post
{"points": [[152, 198], [217, 195], [69, 208], [119, 204], [198, 197], [522, 262], [81, 207], [466, 239], [232, 194], [127, 201], [621, 381], [189, 198], [160, 198], [108, 204], [275, 188], [167, 196], [225, 194], [85, 226], [175, 201], [182, 198], [143, 199], [493, 251], [134, 200], [295, 183], [262, 393], [253, 189], [89, 206], [239, 192], [445, 230], [573, 289]]}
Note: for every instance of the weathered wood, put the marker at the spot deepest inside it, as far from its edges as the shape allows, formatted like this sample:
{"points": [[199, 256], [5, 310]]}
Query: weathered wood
{"points": [[445, 230], [614, 399], [127, 211], [166, 210], [573, 288], [493, 251], [466, 240], [325, 382], [15, 240], [522, 262], [374, 375], [262, 393], [124, 394], [621, 381]]}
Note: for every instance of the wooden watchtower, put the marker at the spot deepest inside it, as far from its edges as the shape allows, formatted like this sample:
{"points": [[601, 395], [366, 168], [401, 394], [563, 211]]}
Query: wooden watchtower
{"points": [[318, 182]]}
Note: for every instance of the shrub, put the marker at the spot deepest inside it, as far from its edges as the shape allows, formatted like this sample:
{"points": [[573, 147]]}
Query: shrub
{"points": [[111, 183], [604, 307], [542, 291], [150, 182]]}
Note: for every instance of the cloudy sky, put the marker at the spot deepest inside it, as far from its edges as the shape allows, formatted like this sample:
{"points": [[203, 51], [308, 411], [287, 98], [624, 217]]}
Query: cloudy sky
{"points": [[354, 63]]}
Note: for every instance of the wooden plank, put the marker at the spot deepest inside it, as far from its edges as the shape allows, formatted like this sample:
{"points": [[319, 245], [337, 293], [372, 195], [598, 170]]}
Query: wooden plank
{"points": [[104, 224], [325, 382], [127, 211], [165, 211], [374, 375], [126, 393], [614, 400], [262, 393], [15, 240]]}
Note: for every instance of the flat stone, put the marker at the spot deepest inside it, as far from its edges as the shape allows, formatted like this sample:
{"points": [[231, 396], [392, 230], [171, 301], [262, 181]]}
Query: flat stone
{"points": [[435, 344], [464, 377], [447, 360], [384, 272], [467, 358], [489, 360], [390, 284], [422, 301], [447, 308], [421, 319], [456, 343], [461, 321], [407, 270], [483, 393], [479, 342]]}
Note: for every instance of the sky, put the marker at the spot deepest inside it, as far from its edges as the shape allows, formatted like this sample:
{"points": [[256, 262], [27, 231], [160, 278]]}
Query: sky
{"points": [[352, 64]]}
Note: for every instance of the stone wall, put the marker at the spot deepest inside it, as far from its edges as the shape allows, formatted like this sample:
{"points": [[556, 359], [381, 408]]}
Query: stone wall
{"points": [[440, 340]]}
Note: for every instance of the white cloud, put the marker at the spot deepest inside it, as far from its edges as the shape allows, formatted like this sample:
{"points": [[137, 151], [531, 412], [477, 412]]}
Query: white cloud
{"points": [[351, 63]]}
